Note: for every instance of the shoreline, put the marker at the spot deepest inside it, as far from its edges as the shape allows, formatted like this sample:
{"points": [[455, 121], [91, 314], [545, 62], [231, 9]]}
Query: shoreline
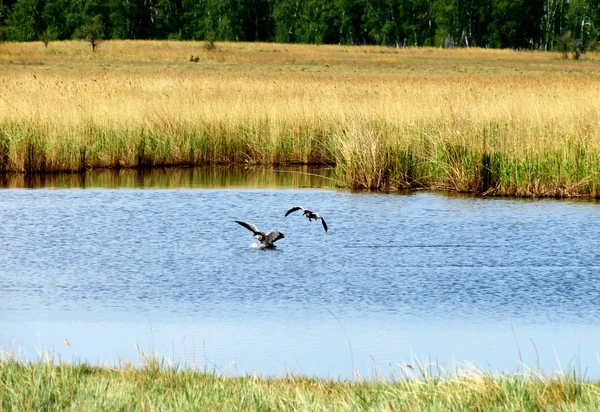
{"points": [[42, 179]]}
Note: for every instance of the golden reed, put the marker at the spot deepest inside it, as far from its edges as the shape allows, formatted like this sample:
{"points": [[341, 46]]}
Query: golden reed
{"points": [[497, 122]]}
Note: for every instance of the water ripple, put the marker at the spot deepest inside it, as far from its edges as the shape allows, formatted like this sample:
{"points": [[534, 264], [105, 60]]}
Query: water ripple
{"points": [[411, 267]]}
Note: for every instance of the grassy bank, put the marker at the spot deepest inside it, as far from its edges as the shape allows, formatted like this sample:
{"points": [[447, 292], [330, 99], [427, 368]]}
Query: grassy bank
{"points": [[44, 386], [489, 121]]}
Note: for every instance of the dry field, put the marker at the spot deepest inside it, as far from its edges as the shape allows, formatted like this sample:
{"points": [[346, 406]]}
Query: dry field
{"points": [[497, 122]]}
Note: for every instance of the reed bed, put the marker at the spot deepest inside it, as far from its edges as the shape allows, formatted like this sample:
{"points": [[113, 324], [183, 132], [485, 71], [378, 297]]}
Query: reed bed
{"points": [[494, 122], [47, 385]]}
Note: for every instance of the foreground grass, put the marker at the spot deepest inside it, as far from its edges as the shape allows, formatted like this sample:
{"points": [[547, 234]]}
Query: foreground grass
{"points": [[495, 122], [46, 386]]}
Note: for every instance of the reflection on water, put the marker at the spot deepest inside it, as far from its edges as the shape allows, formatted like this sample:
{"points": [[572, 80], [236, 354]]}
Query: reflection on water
{"points": [[178, 177], [452, 279]]}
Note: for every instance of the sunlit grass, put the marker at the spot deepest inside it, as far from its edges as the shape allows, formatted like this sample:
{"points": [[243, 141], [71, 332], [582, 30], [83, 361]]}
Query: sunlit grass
{"points": [[50, 385], [490, 121]]}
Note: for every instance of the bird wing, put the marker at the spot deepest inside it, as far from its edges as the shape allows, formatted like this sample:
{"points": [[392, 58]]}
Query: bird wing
{"points": [[294, 209], [273, 236], [324, 224], [248, 226]]}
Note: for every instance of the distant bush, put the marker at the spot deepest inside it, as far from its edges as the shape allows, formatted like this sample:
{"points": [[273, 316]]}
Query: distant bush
{"points": [[567, 43], [92, 31], [47, 36], [210, 42]]}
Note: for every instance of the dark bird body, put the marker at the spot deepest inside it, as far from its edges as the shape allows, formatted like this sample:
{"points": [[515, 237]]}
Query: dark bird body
{"points": [[309, 214], [265, 241]]}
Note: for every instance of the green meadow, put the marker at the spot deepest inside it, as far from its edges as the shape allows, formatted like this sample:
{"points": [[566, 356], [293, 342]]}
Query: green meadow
{"points": [[154, 386]]}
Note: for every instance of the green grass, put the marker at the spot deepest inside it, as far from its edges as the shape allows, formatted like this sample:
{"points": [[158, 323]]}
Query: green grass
{"points": [[37, 148], [364, 155], [45, 385], [483, 159]]}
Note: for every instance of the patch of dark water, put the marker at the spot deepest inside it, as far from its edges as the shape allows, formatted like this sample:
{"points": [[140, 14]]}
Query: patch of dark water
{"points": [[216, 176]]}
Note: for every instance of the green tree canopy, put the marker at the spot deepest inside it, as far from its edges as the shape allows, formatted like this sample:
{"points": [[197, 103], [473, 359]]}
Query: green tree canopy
{"points": [[531, 24]]}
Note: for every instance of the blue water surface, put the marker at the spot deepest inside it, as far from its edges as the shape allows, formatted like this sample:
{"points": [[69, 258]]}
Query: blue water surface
{"points": [[109, 276]]}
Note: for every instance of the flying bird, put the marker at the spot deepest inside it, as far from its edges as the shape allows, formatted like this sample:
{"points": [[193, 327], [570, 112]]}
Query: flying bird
{"points": [[265, 241], [309, 214]]}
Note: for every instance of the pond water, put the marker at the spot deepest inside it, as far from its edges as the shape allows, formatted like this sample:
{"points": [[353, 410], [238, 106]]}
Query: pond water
{"points": [[111, 274]]}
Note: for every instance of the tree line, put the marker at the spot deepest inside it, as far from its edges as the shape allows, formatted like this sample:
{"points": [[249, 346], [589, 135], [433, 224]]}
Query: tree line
{"points": [[568, 25]]}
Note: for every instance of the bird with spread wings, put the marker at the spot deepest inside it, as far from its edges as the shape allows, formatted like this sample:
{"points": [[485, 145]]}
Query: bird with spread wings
{"points": [[266, 241], [309, 214]]}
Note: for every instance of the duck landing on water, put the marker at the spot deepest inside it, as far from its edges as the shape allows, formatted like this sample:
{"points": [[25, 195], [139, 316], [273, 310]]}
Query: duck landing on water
{"points": [[265, 241], [309, 214]]}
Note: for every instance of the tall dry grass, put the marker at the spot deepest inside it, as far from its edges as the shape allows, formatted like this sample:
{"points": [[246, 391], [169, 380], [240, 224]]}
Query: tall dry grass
{"points": [[489, 121]]}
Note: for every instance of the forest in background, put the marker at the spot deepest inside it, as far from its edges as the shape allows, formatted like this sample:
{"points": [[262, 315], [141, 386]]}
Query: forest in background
{"points": [[565, 25]]}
